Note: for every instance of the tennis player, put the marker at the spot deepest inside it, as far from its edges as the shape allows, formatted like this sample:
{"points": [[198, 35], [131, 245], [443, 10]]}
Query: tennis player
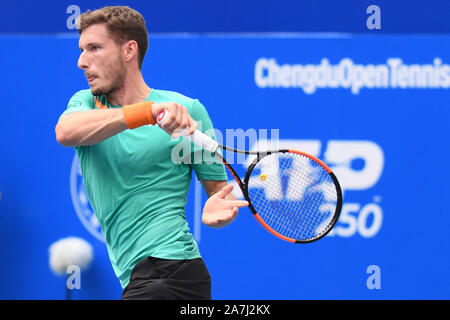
{"points": [[137, 191]]}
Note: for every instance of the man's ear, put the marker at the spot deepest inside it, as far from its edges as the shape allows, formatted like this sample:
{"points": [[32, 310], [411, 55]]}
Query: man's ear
{"points": [[130, 50]]}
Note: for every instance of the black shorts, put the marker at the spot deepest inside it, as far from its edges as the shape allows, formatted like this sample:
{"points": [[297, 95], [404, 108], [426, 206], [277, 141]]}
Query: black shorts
{"points": [[161, 279]]}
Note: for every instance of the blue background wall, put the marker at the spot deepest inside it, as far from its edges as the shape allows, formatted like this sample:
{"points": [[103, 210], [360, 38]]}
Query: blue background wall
{"points": [[394, 138], [400, 16]]}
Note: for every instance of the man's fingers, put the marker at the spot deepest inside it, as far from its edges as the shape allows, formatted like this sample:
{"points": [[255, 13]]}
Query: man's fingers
{"points": [[192, 124], [238, 203], [177, 119], [225, 191]]}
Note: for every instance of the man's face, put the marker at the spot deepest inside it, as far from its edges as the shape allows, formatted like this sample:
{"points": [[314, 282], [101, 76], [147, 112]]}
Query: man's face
{"points": [[101, 60]]}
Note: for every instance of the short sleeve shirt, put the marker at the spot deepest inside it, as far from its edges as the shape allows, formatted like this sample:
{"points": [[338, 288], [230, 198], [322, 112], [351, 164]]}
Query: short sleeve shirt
{"points": [[137, 182]]}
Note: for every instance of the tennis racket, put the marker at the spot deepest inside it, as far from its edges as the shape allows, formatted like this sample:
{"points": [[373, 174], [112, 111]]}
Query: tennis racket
{"points": [[293, 195]]}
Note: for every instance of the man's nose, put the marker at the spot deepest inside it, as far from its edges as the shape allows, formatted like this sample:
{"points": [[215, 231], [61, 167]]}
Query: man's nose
{"points": [[82, 63]]}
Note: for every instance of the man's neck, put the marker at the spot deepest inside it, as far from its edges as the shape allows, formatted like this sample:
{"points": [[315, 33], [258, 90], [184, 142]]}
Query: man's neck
{"points": [[133, 90]]}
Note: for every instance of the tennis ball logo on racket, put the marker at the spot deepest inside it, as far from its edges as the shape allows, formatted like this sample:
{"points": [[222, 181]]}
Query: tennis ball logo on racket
{"points": [[263, 177]]}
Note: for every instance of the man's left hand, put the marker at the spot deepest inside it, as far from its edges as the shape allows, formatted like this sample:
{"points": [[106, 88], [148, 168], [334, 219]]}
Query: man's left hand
{"points": [[221, 208]]}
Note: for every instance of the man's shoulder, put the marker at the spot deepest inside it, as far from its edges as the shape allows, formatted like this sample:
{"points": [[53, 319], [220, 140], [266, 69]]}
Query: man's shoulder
{"points": [[166, 95], [81, 100], [86, 93], [84, 96]]}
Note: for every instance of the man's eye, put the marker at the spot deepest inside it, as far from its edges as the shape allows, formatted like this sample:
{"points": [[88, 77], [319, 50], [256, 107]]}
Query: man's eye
{"points": [[95, 48]]}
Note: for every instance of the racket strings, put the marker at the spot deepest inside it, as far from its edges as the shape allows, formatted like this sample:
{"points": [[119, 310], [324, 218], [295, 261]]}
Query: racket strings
{"points": [[296, 197]]}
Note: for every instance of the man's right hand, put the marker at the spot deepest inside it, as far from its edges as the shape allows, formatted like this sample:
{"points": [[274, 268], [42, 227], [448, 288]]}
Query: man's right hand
{"points": [[177, 119]]}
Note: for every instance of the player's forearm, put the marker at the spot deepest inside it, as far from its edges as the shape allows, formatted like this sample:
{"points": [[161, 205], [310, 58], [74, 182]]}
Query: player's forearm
{"points": [[89, 127]]}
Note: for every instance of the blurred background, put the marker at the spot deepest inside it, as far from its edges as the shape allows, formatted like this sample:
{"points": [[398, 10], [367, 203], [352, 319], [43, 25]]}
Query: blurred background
{"points": [[363, 85]]}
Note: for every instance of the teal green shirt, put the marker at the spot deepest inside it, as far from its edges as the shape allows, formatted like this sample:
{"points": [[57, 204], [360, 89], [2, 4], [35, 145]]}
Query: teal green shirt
{"points": [[137, 184]]}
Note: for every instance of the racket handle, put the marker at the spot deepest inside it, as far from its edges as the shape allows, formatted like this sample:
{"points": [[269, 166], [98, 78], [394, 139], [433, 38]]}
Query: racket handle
{"points": [[198, 137]]}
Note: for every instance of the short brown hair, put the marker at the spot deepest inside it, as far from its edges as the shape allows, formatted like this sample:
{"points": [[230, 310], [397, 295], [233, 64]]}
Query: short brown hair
{"points": [[122, 22]]}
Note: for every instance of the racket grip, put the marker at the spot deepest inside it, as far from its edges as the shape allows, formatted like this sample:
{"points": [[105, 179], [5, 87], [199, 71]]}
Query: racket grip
{"points": [[203, 141], [199, 138]]}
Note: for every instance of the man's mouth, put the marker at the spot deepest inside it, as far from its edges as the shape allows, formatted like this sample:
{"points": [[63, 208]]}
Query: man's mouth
{"points": [[91, 78]]}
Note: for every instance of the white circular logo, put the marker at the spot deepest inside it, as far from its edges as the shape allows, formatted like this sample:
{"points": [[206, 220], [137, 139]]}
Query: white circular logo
{"points": [[81, 203]]}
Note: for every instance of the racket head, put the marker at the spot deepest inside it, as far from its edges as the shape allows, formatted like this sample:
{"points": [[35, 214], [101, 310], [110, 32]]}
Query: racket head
{"points": [[294, 195]]}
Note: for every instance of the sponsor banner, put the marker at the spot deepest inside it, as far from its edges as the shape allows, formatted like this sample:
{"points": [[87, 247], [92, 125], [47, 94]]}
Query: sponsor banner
{"points": [[393, 74]]}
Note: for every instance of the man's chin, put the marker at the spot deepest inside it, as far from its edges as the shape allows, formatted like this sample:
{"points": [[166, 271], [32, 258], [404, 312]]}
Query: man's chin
{"points": [[98, 91]]}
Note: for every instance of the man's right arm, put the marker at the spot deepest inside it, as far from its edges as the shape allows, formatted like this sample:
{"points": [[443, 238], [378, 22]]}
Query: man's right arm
{"points": [[84, 128], [89, 127]]}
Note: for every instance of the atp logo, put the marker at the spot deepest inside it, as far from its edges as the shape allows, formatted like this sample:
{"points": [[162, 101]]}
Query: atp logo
{"points": [[358, 165], [81, 202]]}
